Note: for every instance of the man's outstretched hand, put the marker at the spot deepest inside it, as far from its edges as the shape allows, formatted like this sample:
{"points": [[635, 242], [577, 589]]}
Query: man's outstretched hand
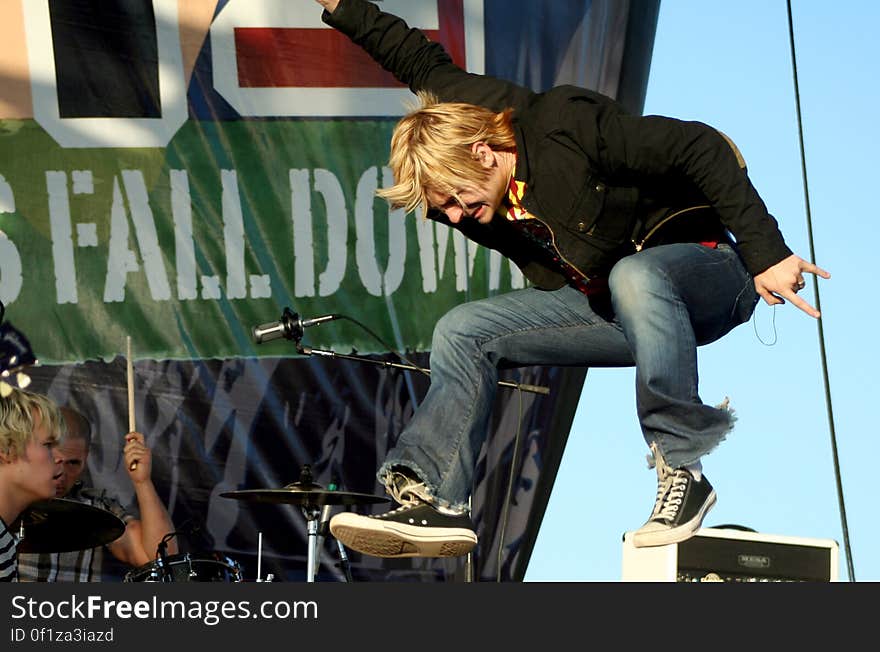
{"points": [[785, 279]]}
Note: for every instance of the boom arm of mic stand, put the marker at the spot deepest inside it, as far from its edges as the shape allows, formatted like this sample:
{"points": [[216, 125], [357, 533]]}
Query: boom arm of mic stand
{"points": [[307, 350]]}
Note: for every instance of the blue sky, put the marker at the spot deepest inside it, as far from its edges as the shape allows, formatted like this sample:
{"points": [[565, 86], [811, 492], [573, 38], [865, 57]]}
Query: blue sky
{"points": [[729, 64]]}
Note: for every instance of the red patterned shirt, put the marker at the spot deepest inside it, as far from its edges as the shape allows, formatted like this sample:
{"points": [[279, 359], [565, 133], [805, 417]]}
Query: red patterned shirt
{"points": [[540, 235]]}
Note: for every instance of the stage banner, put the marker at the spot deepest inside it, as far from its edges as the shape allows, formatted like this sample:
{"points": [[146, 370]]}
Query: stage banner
{"points": [[180, 171]]}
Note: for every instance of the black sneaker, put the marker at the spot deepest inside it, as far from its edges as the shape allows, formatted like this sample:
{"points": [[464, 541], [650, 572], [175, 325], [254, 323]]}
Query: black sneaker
{"points": [[413, 530], [682, 503]]}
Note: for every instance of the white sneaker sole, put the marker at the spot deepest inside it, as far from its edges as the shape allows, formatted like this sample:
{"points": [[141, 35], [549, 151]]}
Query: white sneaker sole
{"points": [[378, 538], [678, 534]]}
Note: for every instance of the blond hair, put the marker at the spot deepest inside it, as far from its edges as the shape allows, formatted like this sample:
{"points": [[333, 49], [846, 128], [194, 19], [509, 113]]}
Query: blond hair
{"points": [[18, 419], [431, 149]]}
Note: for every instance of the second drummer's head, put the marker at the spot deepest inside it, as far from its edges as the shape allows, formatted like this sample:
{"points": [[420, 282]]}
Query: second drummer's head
{"points": [[72, 451]]}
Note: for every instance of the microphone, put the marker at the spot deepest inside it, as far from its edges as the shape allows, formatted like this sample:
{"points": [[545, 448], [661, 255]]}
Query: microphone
{"points": [[290, 327], [162, 557], [188, 529]]}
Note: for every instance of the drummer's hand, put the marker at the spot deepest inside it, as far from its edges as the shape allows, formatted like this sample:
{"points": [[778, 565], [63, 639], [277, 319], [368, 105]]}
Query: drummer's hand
{"points": [[136, 450]]}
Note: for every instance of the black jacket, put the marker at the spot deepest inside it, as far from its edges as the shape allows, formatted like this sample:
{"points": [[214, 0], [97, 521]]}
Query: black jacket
{"points": [[606, 183]]}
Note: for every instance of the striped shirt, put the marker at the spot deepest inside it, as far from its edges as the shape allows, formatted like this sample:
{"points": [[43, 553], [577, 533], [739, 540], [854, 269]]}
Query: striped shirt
{"points": [[8, 545]]}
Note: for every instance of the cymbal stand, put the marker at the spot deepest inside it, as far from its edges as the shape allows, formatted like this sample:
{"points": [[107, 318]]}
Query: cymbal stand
{"points": [[260, 557], [312, 515], [316, 525]]}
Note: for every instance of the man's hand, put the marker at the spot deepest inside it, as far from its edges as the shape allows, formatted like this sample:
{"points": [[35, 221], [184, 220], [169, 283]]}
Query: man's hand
{"points": [[783, 281], [329, 5], [136, 450]]}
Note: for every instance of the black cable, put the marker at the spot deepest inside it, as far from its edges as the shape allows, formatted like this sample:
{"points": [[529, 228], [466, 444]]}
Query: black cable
{"points": [[390, 348], [507, 498], [772, 325], [291, 327], [828, 403]]}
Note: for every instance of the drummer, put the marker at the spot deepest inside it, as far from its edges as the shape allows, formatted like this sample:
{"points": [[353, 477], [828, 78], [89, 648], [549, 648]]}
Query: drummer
{"points": [[30, 425], [140, 540]]}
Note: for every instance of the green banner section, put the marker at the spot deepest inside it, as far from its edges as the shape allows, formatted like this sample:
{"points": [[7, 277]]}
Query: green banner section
{"points": [[187, 248]]}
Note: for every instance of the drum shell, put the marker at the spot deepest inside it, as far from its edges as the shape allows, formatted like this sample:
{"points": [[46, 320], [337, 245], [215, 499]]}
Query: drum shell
{"points": [[188, 567]]}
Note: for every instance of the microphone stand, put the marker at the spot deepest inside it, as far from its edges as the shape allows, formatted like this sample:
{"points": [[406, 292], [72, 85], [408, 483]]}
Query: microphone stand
{"points": [[291, 327], [307, 350], [343, 561], [324, 531]]}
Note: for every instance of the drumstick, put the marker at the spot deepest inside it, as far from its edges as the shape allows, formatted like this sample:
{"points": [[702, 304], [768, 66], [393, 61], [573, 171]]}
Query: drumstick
{"points": [[130, 378]]}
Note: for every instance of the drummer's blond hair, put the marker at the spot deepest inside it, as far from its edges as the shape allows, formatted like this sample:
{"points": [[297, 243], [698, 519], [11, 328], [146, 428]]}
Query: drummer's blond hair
{"points": [[431, 149], [18, 418]]}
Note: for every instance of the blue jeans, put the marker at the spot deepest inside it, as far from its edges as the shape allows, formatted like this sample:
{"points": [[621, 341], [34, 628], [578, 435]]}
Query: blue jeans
{"points": [[662, 303]]}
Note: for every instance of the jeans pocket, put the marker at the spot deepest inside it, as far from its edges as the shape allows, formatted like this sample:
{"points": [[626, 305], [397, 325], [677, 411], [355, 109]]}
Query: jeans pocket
{"points": [[748, 296], [745, 302]]}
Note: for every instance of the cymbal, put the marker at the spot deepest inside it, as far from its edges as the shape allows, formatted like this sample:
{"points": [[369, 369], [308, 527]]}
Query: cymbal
{"points": [[62, 525], [298, 494]]}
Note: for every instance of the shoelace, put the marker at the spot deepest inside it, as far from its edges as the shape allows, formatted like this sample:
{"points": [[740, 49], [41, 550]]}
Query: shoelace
{"points": [[676, 485], [662, 490], [664, 478], [406, 491]]}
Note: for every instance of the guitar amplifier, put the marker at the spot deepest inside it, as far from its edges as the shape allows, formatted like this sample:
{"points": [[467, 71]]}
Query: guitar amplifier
{"points": [[728, 555]]}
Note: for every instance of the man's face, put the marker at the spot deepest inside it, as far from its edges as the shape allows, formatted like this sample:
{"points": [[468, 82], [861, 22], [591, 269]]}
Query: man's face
{"points": [[35, 471], [480, 200], [71, 454]]}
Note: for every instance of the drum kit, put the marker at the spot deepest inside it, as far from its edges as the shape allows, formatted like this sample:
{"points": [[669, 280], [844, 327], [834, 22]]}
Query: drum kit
{"points": [[313, 500], [63, 525]]}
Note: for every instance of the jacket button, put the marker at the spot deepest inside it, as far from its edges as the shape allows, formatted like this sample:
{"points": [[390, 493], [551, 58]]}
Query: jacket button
{"points": [[582, 227]]}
